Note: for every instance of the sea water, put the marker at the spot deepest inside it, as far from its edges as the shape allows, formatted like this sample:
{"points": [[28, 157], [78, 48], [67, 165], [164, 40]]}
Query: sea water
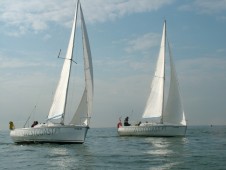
{"points": [[203, 147]]}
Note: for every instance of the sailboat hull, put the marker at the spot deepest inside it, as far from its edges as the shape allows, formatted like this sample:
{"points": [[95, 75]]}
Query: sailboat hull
{"points": [[153, 130], [50, 134]]}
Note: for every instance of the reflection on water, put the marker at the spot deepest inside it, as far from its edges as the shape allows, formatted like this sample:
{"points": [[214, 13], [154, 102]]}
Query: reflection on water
{"points": [[165, 150], [58, 156], [165, 166], [68, 156], [159, 146]]}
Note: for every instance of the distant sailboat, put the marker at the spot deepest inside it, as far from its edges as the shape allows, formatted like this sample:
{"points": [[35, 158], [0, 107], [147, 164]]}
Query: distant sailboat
{"points": [[75, 132], [171, 118]]}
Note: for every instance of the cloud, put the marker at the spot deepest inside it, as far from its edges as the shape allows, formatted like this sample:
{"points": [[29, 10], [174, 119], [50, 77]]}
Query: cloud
{"points": [[205, 7], [15, 63], [209, 6], [33, 15], [6, 63], [104, 10], [20, 17], [143, 43], [47, 36], [138, 55]]}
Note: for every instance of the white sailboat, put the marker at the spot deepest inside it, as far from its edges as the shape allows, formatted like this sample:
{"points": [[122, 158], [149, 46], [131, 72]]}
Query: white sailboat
{"points": [[171, 119], [54, 130]]}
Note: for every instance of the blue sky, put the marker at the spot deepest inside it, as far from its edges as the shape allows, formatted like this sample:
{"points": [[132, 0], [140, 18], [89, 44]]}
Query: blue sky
{"points": [[124, 38]]}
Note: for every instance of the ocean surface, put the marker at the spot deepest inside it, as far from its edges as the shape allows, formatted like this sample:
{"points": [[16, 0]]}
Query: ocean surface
{"points": [[203, 148]]}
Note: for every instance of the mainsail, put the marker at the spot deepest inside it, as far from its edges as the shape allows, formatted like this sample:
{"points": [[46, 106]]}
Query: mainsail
{"points": [[84, 109], [154, 106], [57, 109]]}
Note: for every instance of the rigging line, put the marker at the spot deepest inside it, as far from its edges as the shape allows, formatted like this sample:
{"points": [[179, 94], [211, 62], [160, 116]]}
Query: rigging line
{"points": [[29, 116], [33, 110]]}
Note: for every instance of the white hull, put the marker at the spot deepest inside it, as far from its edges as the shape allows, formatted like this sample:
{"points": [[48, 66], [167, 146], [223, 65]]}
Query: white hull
{"points": [[156, 130], [50, 134]]}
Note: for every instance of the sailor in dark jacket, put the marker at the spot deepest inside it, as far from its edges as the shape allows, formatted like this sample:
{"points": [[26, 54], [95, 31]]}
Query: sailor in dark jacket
{"points": [[126, 121]]}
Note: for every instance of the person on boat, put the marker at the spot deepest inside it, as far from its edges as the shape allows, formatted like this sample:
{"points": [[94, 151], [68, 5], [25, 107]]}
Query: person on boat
{"points": [[119, 123], [11, 125], [126, 121], [34, 123]]}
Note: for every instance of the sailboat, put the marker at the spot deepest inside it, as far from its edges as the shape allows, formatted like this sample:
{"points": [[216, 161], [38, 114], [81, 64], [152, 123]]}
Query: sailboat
{"points": [[169, 120], [55, 130]]}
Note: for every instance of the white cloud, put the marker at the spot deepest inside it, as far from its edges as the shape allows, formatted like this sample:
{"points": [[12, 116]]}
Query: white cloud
{"points": [[47, 36], [103, 10], [33, 15], [205, 7], [36, 15], [15, 63], [6, 63], [210, 6], [143, 42]]}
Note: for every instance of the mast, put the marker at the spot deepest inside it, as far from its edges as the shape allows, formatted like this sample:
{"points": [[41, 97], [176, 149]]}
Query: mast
{"points": [[164, 43], [71, 58]]}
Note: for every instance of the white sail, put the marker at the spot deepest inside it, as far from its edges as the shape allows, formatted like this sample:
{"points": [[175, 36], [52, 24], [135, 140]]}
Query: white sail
{"points": [[174, 113], [154, 106], [84, 109], [57, 109], [80, 115]]}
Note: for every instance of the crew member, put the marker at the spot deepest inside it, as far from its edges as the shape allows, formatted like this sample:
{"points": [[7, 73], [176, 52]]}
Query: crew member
{"points": [[119, 123], [11, 125], [126, 121]]}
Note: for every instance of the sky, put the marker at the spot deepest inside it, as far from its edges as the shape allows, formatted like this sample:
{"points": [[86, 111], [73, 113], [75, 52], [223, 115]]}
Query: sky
{"points": [[124, 38]]}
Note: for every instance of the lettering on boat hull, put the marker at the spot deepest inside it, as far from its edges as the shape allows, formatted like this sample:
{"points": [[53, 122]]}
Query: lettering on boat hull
{"points": [[39, 132], [50, 134]]}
